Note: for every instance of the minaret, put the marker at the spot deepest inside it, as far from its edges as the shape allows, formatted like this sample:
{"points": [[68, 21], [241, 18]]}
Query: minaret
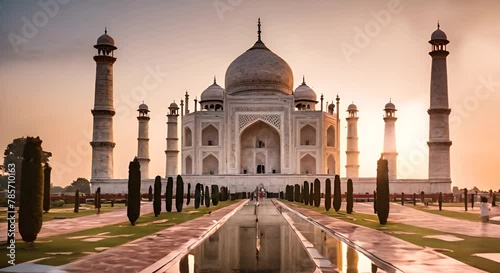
{"points": [[172, 141], [439, 111], [390, 153], [143, 140], [352, 166], [103, 112]]}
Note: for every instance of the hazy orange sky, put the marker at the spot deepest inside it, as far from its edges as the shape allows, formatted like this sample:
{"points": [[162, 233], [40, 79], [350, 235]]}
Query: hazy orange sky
{"points": [[47, 72]]}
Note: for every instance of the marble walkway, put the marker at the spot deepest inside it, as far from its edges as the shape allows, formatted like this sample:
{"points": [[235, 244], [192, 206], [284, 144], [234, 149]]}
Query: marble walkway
{"points": [[405, 256]]}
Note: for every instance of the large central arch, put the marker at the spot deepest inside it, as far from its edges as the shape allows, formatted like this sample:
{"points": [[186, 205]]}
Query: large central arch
{"points": [[260, 149]]}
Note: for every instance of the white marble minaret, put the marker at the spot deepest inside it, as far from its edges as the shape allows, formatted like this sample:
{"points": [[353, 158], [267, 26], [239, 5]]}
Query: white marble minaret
{"points": [[439, 111], [143, 140], [390, 152], [172, 151], [103, 112], [352, 166]]}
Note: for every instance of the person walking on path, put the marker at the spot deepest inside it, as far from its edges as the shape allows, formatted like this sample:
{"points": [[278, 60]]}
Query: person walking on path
{"points": [[485, 209]]}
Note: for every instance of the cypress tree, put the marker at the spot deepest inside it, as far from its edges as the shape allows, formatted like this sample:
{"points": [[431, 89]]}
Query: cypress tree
{"points": [[350, 197], [46, 187], [188, 195], [465, 199], [402, 199], [374, 202], [382, 191], [296, 192], [328, 194], [207, 197], [440, 200], [215, 195], [179, 194], [202, 196], [157, 196], [414, 199], [306, 192], [97, 200], [494, 200], [31, 201], [134, 191], [168, 194], [472, 200], [337, 194], [150, 193], [422, 197], [77, 201], [317, 192], [311, 195], [197, 195]]}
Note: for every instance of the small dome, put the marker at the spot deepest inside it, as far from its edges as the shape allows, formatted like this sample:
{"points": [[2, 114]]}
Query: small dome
{"points": [[105, 40], [173, 105], [304, 92], [390, 106], [143, 107], [213, 93], [438, 34], [352, 107]]}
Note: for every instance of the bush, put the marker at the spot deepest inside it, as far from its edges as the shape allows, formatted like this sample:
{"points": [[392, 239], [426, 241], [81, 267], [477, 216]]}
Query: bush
{"points": [[382, 191], [188, 194], [337, 194], [150, 194], [350, 197], [157, 196], [32, 186], [57, 203], [134, 191], [440, 200], [179, 194], [328, 194], [311, 195]]}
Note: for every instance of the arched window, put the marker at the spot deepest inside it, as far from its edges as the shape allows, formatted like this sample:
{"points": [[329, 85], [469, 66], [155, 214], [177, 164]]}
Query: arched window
{"points": [[189, 165], [210, 136], [308, 164], [188, 137], [330, 136], [308, 135], [210, 165]]}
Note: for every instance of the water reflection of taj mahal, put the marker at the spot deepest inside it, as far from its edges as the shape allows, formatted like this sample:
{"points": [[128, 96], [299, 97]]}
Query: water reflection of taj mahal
{"points": [[258, 130]]}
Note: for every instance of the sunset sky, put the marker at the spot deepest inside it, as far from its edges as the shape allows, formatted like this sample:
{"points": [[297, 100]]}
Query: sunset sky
{"points": [[366, 51]]}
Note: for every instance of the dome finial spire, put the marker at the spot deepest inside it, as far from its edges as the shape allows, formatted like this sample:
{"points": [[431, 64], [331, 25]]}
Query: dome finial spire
{"points": [[303, 79], [105, 30], [438, 24], [215, 80], [258, 29]]}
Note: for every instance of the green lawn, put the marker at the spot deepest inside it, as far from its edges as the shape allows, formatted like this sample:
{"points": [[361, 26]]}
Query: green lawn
{"points": [[64, 243], [452, 214], [460, 250], [67, 211]]}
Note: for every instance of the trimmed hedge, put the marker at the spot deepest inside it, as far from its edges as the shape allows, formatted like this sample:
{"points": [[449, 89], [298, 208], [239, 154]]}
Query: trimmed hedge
{"points": [[207, 197], [157, 196], [169, 194], [328, 194], [350, 198], [31, 201], [306, 193], [382, 191], [179, 194], [215, 195], [337, 194], [197, 195], [188, 195], [134, 191], [317, 192]]}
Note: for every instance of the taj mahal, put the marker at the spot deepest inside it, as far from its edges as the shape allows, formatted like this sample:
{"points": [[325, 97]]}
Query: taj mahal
{"points": [[263, 130]]}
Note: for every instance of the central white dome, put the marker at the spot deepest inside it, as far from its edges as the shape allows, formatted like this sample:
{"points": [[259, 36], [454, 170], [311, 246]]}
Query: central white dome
{"points": [[259, 70]]}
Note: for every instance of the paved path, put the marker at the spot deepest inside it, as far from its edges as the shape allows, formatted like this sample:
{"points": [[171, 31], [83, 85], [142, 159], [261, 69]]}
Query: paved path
{"points": [[141, 253], [410, 216], [405, 256], [64, 226]]}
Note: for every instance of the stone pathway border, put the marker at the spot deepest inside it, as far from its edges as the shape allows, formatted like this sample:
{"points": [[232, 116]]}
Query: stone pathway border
{"points": [[405, 256]]}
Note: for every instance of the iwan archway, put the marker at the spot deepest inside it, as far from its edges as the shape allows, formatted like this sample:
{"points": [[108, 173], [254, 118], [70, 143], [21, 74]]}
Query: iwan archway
{"points": [[260, 149]]}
